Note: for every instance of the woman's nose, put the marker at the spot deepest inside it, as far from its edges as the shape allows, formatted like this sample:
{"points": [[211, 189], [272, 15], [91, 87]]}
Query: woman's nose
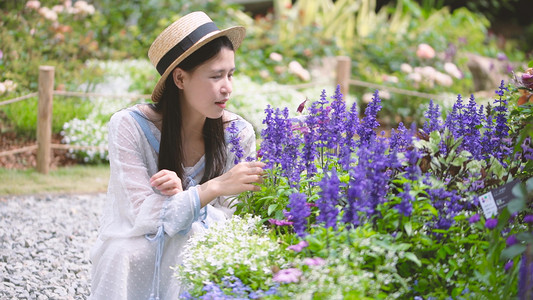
{"points": [[227, 87]]}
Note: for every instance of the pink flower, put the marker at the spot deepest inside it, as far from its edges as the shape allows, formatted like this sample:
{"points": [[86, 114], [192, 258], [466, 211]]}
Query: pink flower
{"points": [[425, 51], [298, 247], [280, 222], [288, 275], [317, 261], [33, 4], [527, 78]]}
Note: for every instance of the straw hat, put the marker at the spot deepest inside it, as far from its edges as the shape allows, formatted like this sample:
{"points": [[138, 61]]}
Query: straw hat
{"points": [[182, 38]]}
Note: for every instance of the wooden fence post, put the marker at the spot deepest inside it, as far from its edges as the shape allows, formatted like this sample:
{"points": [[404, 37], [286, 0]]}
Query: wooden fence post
{"points": [[44, 118], [344, 65]]}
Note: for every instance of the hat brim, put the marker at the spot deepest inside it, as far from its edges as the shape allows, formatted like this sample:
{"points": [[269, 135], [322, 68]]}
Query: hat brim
{"points": [[236, 36]]}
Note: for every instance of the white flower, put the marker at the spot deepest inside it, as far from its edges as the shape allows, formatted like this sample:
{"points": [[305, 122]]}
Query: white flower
{"points": [[48, 14], [452, 69], [276, 56], [367, 97], [443, 79], [297, 69], [406, 68], [10, 85], [58, 8], [2, 88], [416, 77]]}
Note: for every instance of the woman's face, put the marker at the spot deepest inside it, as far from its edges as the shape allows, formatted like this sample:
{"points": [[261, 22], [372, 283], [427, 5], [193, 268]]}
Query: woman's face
{"points": [[207, 88]]}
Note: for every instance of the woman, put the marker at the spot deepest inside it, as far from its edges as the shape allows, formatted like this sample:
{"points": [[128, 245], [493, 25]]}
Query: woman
{"points": [[171, 169]]}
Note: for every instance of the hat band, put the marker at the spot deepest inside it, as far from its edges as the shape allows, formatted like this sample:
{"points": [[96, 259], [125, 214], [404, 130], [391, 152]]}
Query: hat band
{"points": [[184, 45]]}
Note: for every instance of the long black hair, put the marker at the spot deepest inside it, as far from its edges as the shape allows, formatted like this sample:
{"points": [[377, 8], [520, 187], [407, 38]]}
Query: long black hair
{"points": [[171, 154]]}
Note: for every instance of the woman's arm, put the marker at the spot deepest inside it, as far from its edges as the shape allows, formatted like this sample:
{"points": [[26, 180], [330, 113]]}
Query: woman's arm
{"points": [[137, 207]]}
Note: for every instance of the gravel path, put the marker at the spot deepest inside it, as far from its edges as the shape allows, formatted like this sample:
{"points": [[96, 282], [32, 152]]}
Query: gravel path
{"points": [[45, 243]]}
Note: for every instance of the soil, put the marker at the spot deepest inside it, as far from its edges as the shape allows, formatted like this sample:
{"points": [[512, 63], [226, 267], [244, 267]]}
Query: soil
{"points": [[28, 159]]}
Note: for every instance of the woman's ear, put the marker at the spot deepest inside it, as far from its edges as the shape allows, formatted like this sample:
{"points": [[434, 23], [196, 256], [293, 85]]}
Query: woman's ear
{"points": [[177, 76]]}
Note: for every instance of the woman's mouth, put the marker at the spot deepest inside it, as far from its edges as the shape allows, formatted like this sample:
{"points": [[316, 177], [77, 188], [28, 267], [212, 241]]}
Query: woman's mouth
{"points": [[221, 104]]}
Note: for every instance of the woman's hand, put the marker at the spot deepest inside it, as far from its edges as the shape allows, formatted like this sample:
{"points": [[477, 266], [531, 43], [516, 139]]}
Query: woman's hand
{"points": [[241, 178], [167, 182]]}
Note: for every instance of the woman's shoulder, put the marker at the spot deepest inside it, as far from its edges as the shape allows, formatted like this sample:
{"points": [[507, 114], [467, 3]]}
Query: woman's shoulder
{"points": [[240, 122], [124, 113]]}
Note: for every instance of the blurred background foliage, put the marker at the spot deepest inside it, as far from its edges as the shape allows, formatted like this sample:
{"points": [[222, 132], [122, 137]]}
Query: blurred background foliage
{"points": [[381, 38]]}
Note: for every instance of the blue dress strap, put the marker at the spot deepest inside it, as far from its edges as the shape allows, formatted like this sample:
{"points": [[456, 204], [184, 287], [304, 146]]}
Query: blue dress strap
{"points": [[159, 237], [146, 129]]}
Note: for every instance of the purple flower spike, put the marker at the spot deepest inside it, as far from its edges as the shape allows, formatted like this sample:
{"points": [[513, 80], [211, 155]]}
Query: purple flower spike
{"points": [[288, 275], [491, 223], [474, 219], [528, 219], [508, 265], [299, 212], [511, 240]]}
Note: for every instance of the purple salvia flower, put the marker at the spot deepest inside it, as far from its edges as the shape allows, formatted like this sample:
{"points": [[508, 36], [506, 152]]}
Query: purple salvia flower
{"points": [[472, 123], [329, 198], [511, 240], [235, 142], [271, 140], [413, 171], [487, 145], [525, 278], [508, 265], [454, 121], [501, 130], [406, 206], [354, 196], [474, 219], [401, 138], [449, 205], [290, 164], [528, 219], [433, 115], [369, 122], [491, 223], [348, 145], [374, 165], [299, 212], [337, 121]]}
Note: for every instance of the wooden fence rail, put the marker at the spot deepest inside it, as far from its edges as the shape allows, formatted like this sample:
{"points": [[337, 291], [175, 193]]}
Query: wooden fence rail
{"points": [[46, 93]]}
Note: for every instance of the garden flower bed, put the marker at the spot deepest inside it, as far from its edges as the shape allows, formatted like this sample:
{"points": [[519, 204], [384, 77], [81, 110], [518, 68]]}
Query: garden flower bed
{"points": [[349, 213]]}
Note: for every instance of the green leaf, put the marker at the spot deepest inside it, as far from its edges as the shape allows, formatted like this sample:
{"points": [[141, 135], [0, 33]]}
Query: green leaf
{"points": [[519, 191], [408, 228], [412, 257], [529, 184], [272, 208], [513, 251], [516, 205], [530, 64], [525, 236]]}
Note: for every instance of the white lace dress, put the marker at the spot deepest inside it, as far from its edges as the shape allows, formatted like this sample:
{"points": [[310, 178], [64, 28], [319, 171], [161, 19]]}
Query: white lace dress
{"points": [[129, 248]]}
